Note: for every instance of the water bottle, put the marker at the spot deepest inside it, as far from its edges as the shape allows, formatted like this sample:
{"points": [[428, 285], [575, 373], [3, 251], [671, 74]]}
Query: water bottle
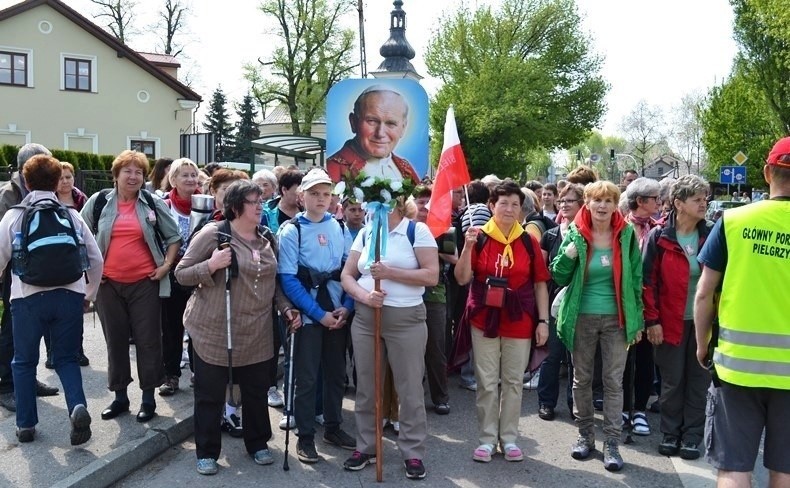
{"points": [[17, 258], [84, 261]]}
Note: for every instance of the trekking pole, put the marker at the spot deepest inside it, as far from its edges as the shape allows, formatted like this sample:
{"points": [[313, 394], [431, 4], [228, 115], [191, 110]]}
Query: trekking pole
{"points": [[225, 245], [289, 397], [629, 427]]}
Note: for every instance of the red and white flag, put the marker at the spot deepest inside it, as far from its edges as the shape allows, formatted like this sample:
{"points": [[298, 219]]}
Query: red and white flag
{"points": [[451, 174]]}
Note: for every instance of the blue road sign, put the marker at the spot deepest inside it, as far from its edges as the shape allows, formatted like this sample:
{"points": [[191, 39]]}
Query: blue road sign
{"points": [[732, 175]]}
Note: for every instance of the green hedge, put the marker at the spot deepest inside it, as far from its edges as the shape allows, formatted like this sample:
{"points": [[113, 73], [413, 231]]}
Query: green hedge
{"points": [[80, 160]]}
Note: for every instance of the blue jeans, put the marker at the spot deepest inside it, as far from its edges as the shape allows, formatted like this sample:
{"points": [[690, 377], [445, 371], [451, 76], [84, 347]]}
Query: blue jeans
{"points": [[549, 382], [59, 313]]}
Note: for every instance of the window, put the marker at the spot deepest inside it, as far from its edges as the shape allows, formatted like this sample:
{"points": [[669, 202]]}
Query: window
{"points": [[13, 68], [77, 74], [146, 147]]}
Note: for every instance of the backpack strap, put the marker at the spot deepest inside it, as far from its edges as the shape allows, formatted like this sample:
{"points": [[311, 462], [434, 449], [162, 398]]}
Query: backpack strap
{"points": [[482, 238], [98, 207], [224, 237], [411, 232]]}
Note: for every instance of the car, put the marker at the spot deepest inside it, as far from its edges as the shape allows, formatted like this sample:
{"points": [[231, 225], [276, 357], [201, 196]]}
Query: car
{"points": [[717, 207]]}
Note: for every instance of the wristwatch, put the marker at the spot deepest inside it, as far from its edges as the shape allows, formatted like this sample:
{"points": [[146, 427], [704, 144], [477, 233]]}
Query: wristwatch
{"points": [[543, 321]]}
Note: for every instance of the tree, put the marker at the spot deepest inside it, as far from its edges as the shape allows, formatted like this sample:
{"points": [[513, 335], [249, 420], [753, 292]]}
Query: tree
{"points": [[686, 132], [763, 37], [737, 117], [172, 21], [217, 121], [314, 55], [246, 130], [597, 143], [120, 14], [520, 78], [643, 128]]}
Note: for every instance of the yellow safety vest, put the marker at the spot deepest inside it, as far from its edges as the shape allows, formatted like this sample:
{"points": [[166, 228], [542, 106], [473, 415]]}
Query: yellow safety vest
{"points": [[754, 334]]}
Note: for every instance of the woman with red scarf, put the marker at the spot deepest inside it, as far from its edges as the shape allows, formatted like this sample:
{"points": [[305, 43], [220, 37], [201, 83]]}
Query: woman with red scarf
{"points": [[183, 178], [508, 302]]}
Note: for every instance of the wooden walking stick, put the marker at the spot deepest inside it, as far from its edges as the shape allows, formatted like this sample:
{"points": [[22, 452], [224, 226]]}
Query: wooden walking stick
{"points": [[377, 381]]}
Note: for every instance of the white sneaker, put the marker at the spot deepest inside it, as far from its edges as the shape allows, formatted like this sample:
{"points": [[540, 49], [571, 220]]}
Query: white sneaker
{"points": [[532, 384], [275, 398], [319, 419], [284, 420]]}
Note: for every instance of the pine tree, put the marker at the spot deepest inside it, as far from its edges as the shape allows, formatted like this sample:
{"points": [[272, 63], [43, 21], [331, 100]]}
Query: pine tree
{"points": [[246, 130], [217, 121]]}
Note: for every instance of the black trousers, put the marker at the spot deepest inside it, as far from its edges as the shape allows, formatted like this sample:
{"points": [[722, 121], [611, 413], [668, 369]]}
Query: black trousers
{"points": [[6, 336], [211, 383], [173, 329], [643, 376], [319, 355]]}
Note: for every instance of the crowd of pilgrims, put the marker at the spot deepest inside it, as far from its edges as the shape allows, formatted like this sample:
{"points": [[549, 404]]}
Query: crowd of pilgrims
{"points": [[583, 278]]}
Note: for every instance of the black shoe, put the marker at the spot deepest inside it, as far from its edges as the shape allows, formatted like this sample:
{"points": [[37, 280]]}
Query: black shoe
{"points": [[655, 407], [442, 408], [26, 434], [598, 404], [358, 461], [43, 390], [689, 451], [80, 425], [83, 359], [115, 409], [670, 446], [8, 401], [340, 439], [305, 451], [232, 425], [546, 412], [146, 413], [415, 470], [48, 363]]}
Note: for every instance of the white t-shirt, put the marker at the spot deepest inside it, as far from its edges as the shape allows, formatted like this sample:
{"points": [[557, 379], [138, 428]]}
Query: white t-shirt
{"points": [[400, 254]]}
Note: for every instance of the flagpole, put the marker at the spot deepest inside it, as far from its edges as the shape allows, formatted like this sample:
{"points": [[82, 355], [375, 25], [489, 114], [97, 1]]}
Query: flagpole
{"points": [[377, 367]]}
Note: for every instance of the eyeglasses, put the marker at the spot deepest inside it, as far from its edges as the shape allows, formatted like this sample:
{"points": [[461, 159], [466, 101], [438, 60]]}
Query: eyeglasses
{"points": [[650, 196], [253, 202], [568, 201]]}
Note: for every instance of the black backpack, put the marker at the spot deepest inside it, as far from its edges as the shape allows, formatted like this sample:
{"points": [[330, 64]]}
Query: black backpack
{"points": [[48, 251]]}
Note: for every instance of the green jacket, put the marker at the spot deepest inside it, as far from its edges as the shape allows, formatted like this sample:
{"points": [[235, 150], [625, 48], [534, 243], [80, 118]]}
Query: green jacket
{"points": [[570, 272]]}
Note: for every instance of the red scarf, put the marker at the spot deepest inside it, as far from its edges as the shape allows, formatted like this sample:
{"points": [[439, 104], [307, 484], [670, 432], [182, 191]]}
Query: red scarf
{"points": [[182, 205]]}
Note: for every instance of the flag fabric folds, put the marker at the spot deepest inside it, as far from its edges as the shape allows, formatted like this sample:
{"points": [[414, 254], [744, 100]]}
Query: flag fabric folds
{"points": [[451, 173]]}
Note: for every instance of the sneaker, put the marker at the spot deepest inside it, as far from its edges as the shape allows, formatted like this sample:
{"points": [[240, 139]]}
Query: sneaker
{"points": [[25, 434], [263, 457], [415, 470], [598, 404], [469, 386], [442, 408], [340, 439], [80, 425], [585, 444], [169, 387], [641, 427], [512, 453], [207, 466], [275, 398], [483, 453], [8, 401], [689, 451], [358, 461], [546, 412], [532, 384], [612, 460], [319, 419], [184, 359], [232, 425], [670, 445], [285, 424], [305, 451]]}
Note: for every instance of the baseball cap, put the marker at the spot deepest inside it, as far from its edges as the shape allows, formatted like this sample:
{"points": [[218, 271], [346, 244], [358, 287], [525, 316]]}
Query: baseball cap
{"points": [[780, 154], [315, 176]]}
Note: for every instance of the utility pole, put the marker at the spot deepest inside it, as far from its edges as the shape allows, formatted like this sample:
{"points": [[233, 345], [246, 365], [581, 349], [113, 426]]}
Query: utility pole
{"points": [[363, 62]]}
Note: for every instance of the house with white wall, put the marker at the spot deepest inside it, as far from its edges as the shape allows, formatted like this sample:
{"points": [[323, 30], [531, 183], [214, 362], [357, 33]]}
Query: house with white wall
{"points": [[68, 84]]}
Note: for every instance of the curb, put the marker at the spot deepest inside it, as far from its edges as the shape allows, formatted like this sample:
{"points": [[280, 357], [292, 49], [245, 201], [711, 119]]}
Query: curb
{"points": [[130, 457]]}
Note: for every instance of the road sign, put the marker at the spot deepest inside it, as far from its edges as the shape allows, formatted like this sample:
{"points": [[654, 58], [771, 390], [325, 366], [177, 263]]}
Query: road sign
{"points": [[740, 158], [732, 175]]}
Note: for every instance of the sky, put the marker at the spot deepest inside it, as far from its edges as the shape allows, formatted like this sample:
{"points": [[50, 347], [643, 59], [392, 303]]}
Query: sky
{"points": [[656, 50]]}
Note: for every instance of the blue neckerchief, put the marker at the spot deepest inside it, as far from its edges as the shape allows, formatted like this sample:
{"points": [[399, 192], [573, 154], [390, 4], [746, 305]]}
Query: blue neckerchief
{"points": [[380, 213]]}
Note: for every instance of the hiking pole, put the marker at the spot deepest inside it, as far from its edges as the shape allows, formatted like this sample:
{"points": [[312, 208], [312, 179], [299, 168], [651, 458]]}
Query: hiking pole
{"points": [[289, 397], [225, 245], [629, 427]]}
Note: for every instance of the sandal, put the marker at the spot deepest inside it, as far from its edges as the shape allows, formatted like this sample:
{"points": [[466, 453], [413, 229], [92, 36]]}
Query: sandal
{"points": [[641, 427], [483, 453], [512, 453]]}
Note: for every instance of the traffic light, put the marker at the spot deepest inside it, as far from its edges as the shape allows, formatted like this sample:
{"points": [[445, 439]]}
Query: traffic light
{"points": [[611, 154]]}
